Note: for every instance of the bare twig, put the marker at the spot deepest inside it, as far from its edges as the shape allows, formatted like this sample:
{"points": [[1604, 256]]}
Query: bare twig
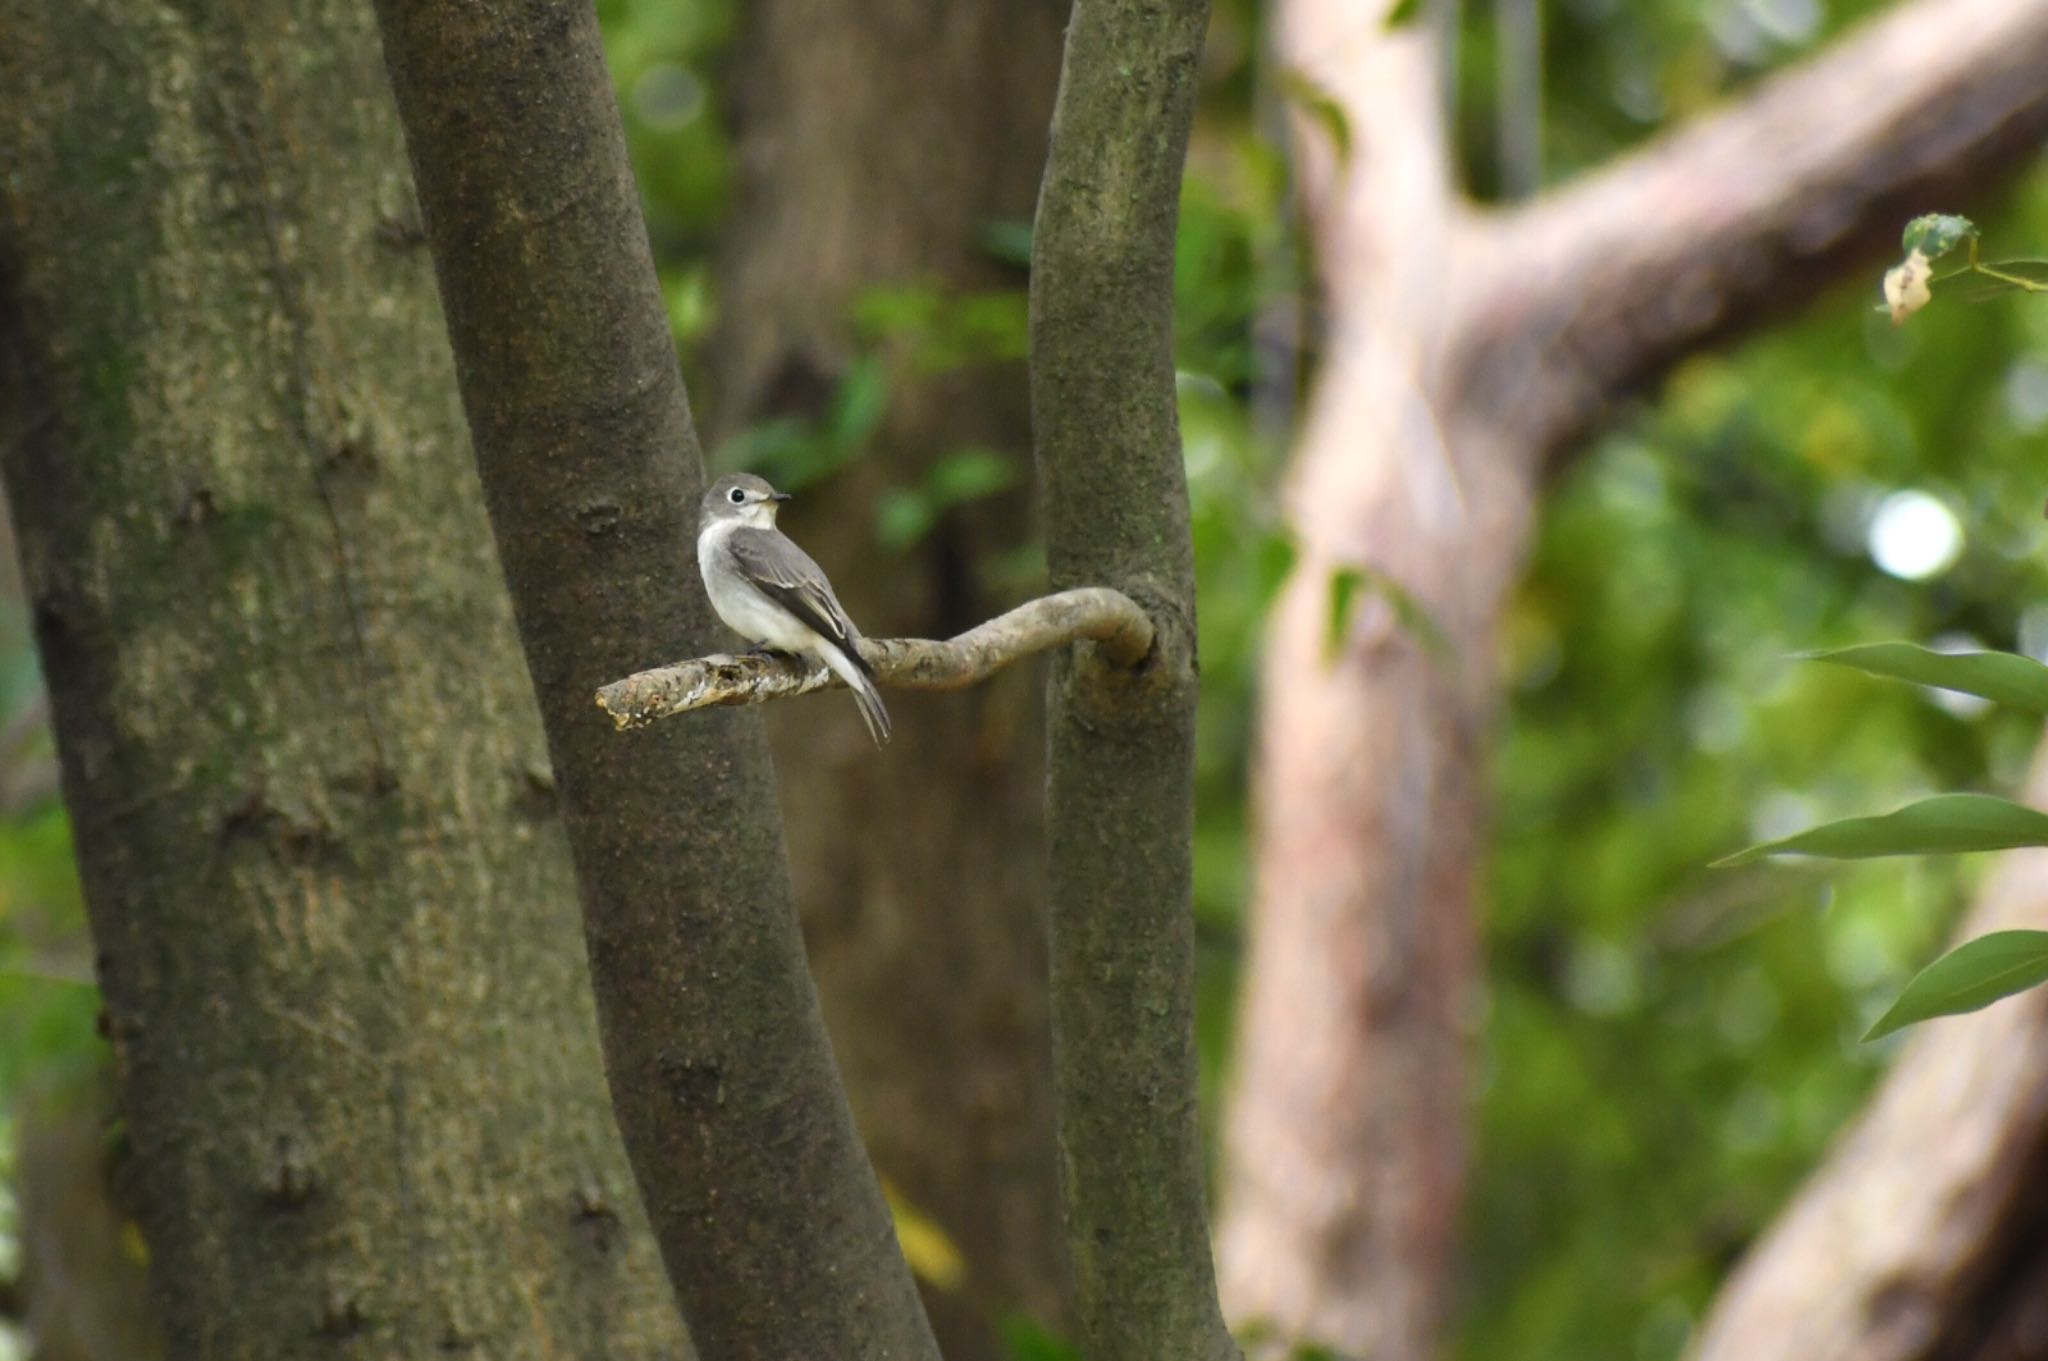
{"points": [[1110, 618]]}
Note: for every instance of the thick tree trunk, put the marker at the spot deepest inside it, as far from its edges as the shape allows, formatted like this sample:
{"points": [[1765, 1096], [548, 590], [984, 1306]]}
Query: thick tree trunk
{"points": [[877, 142], [334, 911], [1465, 351], [774, 1229]]}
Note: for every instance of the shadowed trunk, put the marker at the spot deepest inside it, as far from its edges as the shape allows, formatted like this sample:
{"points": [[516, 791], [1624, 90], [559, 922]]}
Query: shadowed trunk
{"points": [[1466, 352], [773, 1227], [877, 142], [334, 913]]}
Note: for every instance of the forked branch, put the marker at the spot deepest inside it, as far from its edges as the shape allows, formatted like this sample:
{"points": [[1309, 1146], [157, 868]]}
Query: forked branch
{"points": [[1108, 617]]}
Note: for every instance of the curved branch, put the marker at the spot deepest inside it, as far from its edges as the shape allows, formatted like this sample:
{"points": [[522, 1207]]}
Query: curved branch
{"points": [[1110, 618]]}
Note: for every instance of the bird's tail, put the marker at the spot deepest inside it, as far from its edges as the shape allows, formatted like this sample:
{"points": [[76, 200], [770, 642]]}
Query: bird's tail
{"points": [[854, 671]]}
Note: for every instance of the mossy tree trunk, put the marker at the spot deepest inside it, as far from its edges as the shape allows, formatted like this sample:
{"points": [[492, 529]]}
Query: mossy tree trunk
{"points": [[333, 907], [878, 141]]}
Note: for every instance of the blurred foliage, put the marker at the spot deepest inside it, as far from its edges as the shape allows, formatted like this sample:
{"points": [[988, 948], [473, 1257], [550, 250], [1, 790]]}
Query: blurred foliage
{"points": [[1668, 1051], [1664, 1050]]}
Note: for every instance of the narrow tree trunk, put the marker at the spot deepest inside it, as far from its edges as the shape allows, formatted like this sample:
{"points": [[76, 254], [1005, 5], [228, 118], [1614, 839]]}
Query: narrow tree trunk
{"points": [[1120, 791], [334, 912], [929, 945], [1465, 353], [773, 1226]]}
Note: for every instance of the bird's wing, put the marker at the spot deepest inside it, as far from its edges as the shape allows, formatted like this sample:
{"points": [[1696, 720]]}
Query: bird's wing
{"points": [[785, 574]]}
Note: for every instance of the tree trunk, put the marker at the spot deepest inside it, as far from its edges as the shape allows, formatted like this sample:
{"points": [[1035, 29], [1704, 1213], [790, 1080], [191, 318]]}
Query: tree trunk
{"points": [[773, 1227], [332, 903], [1465, 352], [1121, 749], [929, 943]]}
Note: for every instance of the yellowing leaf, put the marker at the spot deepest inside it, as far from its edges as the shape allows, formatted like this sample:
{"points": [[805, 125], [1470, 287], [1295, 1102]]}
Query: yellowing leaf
{"points": [[931, 1253]]}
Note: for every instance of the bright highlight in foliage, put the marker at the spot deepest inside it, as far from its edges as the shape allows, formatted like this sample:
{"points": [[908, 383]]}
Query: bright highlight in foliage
{"points": [[1914, 536]]}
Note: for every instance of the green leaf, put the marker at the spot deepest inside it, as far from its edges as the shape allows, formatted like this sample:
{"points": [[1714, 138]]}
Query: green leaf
{"points": [[1416, 619], [969, 474], [2001, 677], [1026, 1340], [1936, 234], [1320, 105], [1273, 560], [902, 518], [1943, 824], [859, 404], [1404, 13], [1974, 974], [1008, 239], [1344, 584]]}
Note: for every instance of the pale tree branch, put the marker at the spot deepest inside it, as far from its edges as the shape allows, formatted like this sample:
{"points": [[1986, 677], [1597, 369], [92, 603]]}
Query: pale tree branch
{"points": [[1466, 350], [1109, 618], [1586, 294]]}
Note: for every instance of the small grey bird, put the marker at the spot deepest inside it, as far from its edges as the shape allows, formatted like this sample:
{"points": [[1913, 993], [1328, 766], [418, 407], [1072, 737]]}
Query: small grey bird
{"points": [[768, 590]]}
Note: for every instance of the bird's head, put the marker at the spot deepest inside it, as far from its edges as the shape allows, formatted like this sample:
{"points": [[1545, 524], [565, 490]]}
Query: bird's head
{"points": [[745, 498]]}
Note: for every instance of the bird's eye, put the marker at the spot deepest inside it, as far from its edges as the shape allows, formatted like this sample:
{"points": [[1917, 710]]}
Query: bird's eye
{"points": [[736, 496]]}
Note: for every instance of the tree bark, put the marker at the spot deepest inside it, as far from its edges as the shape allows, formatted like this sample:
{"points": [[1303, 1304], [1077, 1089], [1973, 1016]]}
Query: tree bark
{"points": [[774, 1228], [334, 918], [1120, 785], [876, 143], [1466, 352]]}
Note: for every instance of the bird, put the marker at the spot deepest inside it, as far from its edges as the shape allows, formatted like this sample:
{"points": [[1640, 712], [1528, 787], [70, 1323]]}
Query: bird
{"points": [[771, 593]]}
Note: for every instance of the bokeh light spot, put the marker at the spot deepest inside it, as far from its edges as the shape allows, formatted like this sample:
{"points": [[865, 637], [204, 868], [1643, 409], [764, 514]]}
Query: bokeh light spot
{"points": [[1914, 536]]}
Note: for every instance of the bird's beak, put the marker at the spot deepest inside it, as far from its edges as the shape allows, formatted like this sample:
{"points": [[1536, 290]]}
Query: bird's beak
{"points": [[778, 496]]}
